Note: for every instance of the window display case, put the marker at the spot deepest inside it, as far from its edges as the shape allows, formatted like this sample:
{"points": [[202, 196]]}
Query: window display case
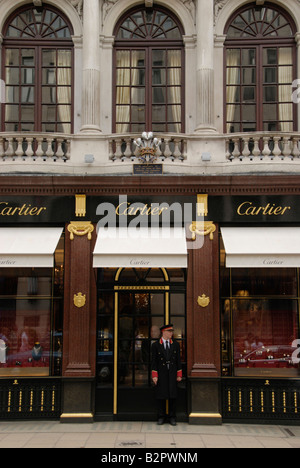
{"points": [[31, 310], [260, 321]]}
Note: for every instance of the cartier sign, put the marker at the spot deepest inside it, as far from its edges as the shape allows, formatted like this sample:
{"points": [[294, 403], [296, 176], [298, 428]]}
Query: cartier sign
{"points": [[249, 208], [22, 210]]}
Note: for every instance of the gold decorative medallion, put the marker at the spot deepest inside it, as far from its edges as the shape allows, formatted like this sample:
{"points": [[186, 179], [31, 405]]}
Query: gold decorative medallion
{"points": [[203, 301], [79, 300], [80, 228]]}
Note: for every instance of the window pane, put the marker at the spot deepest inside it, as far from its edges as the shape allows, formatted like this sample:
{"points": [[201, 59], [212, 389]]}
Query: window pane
{"points": [[28, 57], [159, 58], [264, 331], [64, 113], [257, 282], [249, 113], [159, 77], [233, 57], [269, 111], [25, 336], [270, 93], [49, 58], [174, 95], [27, 113], [123, 95], [248, 56], [249, 75], [248, 94], [49, 76], [12, 76], [63, 76], [12, 57], [270, 75], [12, 94], [158, 113], [285, 75], [28, 76], [285, 56], [138, 114], [159, 95], [49, 95], [25, 282], [138, 95], [233, 76], [27, 94], [174, 113], [270, 56], [123, 77], [12, 113], [64, 58]]}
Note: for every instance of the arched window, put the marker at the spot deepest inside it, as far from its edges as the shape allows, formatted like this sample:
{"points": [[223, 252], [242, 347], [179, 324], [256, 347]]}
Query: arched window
{"points": [[148, 72], [260, 68], [37, 70]]}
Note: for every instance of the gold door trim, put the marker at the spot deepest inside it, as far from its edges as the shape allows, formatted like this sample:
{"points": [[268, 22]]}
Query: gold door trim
{"points": [[142, 288], [165, 273], [115, 409]]}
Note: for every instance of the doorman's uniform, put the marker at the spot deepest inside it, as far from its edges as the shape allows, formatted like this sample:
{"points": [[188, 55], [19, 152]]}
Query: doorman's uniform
{"points": [[166, 366]]}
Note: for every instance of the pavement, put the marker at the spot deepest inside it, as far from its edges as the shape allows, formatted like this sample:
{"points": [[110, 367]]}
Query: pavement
{"points": [[145, 435]]}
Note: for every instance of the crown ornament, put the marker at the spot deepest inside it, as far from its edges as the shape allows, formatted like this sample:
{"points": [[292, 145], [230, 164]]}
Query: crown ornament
{"points": [[148, 146]]}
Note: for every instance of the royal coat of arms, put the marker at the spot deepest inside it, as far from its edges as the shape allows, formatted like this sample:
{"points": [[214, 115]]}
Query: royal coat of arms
{"points": [[79, 300]]}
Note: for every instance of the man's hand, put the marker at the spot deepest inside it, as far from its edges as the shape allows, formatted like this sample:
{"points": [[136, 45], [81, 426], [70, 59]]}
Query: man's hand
{"points": [[155, 380], [179, 379]]}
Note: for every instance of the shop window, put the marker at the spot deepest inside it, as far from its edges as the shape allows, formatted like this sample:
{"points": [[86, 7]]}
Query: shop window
{"points": [[37, 71], [260, 62], [260, 321], [31, 319], [148, 72]]}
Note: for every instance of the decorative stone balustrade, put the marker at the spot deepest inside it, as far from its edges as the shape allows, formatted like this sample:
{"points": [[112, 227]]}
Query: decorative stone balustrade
{"points": [[173, 148], [32, 147], [263, 146]]}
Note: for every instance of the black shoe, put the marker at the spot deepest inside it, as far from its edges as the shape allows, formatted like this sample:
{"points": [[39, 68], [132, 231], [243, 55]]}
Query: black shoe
{"points": [[172, 421], [160, 422]]}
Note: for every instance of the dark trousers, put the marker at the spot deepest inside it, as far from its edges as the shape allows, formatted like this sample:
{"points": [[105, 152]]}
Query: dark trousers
{"points": [[162, 408]]}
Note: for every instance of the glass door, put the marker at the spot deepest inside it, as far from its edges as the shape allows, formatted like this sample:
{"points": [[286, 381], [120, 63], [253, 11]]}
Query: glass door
{"points": [[129, 319]]}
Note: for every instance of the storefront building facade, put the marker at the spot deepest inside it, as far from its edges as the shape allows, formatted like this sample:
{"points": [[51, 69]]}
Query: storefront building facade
{"points": [[214, 193]]}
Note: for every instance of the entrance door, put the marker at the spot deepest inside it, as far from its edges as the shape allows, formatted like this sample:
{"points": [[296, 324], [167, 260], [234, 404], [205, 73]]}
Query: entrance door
{"points": [[132, 305]]}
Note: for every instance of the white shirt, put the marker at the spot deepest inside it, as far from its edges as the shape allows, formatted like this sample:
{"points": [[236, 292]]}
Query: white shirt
{"points": [[165, 343]]}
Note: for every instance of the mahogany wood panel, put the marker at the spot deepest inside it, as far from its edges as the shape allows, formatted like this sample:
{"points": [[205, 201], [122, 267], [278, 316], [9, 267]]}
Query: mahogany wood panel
{"points": [[79, 345], [203, 323]]}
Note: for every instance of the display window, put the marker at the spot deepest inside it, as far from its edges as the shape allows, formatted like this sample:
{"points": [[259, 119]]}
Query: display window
{"points": [[259, 321], [31, 314]]}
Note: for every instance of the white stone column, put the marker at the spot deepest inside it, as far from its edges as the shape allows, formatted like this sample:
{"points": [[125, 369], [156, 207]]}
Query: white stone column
{"points": [[205, 66], [91, 67]]}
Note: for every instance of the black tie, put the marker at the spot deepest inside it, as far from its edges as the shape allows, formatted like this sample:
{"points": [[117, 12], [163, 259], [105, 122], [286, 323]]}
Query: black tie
{"points": [[168, 349]]}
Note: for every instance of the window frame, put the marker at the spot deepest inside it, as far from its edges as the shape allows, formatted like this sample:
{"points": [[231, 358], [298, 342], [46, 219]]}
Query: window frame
{"points": [[259, 43], [149, 45], [38, 44]]}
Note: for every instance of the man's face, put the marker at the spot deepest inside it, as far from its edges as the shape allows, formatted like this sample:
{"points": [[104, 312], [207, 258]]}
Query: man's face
{"points": [[167, 334]]}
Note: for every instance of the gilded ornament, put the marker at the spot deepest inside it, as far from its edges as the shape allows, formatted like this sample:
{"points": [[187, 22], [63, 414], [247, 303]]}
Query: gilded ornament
{"points": [[80, 228], [202, 229], [203, 301], [79, 300]]}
